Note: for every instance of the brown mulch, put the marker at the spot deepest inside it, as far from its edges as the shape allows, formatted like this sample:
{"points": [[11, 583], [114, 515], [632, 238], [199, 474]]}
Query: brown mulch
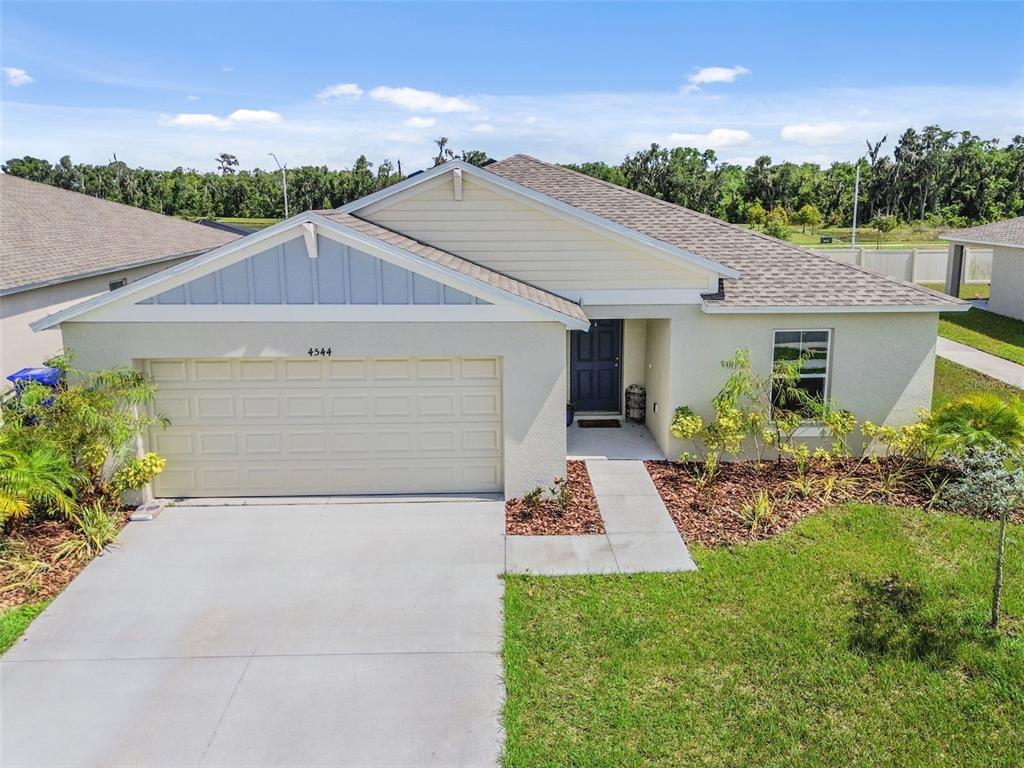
{"points": [[29, 568], [711, 516], [548, 518]]}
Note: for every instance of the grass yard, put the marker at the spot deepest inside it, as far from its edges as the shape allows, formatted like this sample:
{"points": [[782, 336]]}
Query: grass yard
{"points": [[752, 660], [953, 380], [967, 290], [13, 621], [998, 335]]}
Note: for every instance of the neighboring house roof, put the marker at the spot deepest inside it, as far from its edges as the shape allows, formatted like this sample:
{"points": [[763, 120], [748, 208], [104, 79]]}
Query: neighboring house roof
{"points": [[50, 235], [460, 265], [235, 228], [1007, 232], [773, 274], [365, 235]]}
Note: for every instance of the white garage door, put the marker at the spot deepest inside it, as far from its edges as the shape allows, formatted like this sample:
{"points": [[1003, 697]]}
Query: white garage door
{"points": [[279, 427]]}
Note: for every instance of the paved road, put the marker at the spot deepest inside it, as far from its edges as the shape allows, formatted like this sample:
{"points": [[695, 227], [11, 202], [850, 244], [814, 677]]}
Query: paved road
{"points": [[345, 635], [983, 362]]}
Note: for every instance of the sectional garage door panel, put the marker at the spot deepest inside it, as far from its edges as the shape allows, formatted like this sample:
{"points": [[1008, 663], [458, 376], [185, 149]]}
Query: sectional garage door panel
{"points": [[328, 426]]}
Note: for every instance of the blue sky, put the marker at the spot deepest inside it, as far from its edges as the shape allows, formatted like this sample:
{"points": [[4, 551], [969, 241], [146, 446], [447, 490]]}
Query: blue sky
{"points": [[166, 84]]}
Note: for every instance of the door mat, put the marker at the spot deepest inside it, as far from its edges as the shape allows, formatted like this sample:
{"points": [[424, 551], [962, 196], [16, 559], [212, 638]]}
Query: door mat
{"points": [[598, 423]]}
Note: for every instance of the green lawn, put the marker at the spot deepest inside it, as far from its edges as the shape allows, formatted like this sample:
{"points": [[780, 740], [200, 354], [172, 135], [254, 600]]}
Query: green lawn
{"points": [[14, 620], [750, 660], [998, 335], [967, 290], [953, 380]]}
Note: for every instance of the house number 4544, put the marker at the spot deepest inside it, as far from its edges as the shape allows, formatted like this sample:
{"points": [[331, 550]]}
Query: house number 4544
{"points": [[319, 352]]}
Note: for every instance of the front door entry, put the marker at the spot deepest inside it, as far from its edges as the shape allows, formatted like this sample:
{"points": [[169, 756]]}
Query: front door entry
{"points": [[595, 358]]}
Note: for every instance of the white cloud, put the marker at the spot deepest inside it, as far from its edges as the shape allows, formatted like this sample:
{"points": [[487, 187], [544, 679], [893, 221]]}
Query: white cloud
{"points": [[482, 128], [234, 120], [341, 90], [420, 122], [716, 138], [254, 116], [715, 75], [17, 77], [814, 133], [191, 98], [420, 101]]}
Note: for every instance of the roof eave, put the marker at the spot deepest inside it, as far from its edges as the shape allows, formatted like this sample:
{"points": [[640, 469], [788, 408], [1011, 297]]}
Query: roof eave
{"points": [[952, 238], [711, 308]]}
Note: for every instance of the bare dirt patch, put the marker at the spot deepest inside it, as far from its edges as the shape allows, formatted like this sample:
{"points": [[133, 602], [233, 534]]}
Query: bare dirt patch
{"points": [[548, 518]]}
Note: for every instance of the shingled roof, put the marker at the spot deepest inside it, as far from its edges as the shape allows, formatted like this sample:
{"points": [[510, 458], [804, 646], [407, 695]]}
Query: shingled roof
{"points": [[50, 235], [773, 273], [1007, 232], [460, 265]]}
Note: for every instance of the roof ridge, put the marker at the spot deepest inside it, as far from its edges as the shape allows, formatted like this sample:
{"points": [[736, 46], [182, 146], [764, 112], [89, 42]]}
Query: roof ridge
{"points": [[729, 225]]}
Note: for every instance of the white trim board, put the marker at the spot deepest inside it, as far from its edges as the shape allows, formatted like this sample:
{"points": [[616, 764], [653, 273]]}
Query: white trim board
{"points": [[285, 313], [391, 195], [986, 243], [282, 232]]}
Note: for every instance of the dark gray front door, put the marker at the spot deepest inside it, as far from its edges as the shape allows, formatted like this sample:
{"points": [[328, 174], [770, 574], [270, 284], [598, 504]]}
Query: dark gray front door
{"points": [[595, 358]]}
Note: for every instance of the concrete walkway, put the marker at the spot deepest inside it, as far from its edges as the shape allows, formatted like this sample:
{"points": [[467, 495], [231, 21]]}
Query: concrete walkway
{"points": [[639, 537], [982, 362], [301, 635]]}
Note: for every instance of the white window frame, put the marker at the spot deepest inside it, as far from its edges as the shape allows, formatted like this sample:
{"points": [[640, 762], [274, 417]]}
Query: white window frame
{"points": [[827, 375]]}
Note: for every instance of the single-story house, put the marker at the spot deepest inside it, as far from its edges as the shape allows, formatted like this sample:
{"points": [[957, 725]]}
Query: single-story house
{"points": [[426, 338], [58, 247], [1006, 238]]}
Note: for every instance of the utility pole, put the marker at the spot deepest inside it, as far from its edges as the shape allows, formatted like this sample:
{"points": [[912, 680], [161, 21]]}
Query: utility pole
{"points": [[284, 180], [856, 194]]}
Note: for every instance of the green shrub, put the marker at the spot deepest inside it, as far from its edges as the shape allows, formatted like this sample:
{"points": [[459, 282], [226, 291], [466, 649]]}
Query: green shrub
{"points": [[97, 527], [135, 473], [979, 420], [35, 478]]}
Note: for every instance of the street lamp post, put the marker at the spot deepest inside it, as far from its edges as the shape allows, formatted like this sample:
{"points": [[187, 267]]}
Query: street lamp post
{"points": [[284, 180]]}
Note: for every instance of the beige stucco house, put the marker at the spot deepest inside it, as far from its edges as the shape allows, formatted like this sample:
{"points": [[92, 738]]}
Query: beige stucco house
{"points": [[58, 247], [1007, 241], [426, 338]]}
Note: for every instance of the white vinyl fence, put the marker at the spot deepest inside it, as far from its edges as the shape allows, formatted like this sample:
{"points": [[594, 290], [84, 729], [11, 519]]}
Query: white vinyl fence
{"points": [[917, 265]]}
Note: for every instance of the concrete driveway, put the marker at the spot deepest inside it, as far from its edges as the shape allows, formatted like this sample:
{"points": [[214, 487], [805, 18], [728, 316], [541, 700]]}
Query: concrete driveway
{"points": [[291, 635]]}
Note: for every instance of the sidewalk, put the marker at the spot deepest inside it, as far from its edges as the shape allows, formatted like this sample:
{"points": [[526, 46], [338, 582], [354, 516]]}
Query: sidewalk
{"points": [[982, 362], [639, 537]]}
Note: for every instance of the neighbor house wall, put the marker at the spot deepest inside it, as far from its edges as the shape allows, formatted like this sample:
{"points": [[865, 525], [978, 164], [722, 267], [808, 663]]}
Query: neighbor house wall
{"points": [[881, 364], [1007, 290], [19, 346], [522, 241], [533, 364]]}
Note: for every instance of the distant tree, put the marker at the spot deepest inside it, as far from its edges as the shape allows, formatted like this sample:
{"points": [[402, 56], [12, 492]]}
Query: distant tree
{"points": [[475, 157], [444, 154], [756, 214], [807, 216], [777, 223], [226, 163], [884, 224]]}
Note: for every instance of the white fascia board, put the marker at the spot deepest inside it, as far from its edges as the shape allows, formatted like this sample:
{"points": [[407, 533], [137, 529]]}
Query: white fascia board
{"points": [[551, 205], [987, 243], [333, 313], [639, 296], [712, 309], [210, 261]]}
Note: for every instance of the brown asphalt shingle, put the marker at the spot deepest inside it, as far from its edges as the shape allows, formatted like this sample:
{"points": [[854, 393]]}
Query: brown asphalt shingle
{"points": [[460, 265], [1007, 232], [772, 273], [48, 235]]}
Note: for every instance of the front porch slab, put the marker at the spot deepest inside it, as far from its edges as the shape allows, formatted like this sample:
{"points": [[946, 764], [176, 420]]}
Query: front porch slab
{"points": [[630, 441]]}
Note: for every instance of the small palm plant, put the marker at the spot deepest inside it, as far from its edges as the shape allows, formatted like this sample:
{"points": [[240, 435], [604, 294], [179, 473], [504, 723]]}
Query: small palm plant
{"points": [[37, 477], [979, 420]]}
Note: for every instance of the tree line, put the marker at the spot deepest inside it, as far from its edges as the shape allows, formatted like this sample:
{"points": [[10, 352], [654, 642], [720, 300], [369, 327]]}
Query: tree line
{"points": [[935, 175]]}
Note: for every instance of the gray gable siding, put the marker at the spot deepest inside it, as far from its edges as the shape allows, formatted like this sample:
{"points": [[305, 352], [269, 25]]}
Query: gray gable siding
{"points": [[339, 275]]}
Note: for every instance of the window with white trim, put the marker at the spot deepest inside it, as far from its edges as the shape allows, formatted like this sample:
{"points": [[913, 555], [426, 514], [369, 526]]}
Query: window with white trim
{"points": [[812, 349]]}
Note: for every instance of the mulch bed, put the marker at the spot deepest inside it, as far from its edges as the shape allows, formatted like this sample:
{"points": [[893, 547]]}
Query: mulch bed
{"points": [[29, 568], [712, 516], [547, 518]]}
